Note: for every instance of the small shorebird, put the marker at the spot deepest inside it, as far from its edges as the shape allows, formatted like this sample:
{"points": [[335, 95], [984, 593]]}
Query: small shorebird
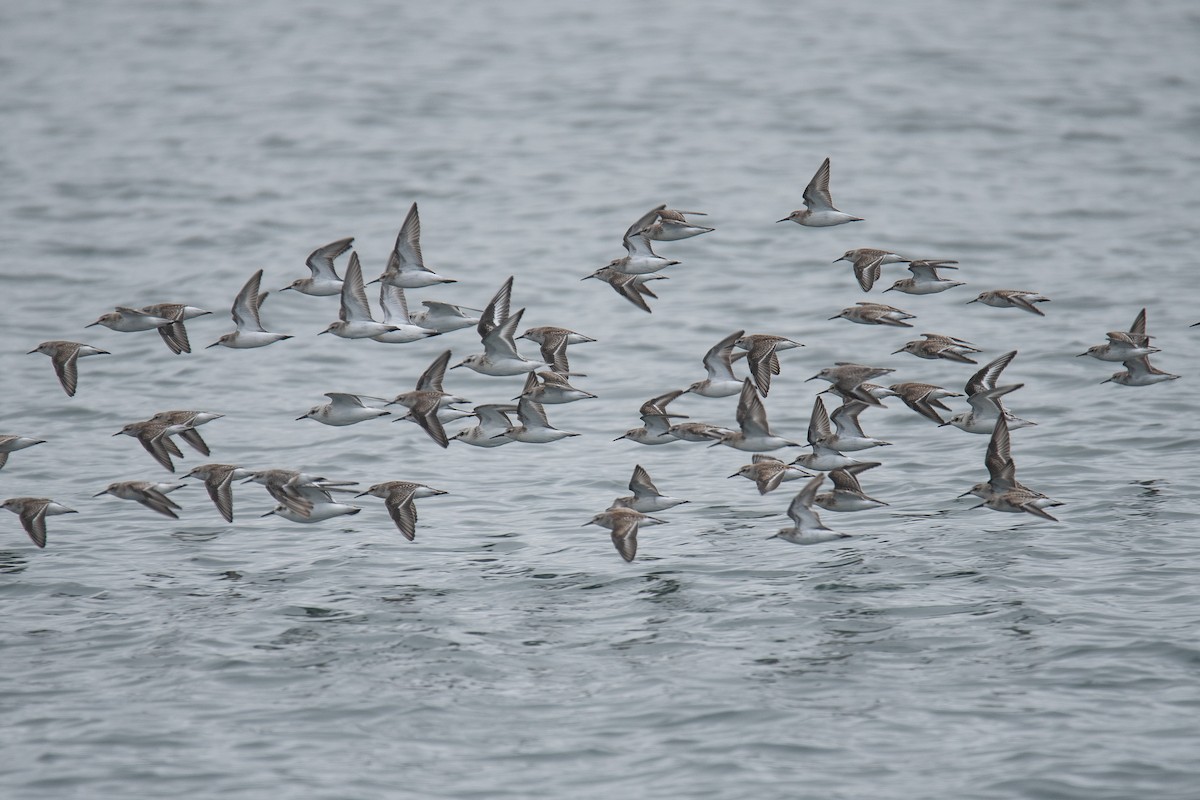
{"points": [[1012, 298], [875, 314], [768, 472], [623, 523], [640, 258], [218, 480], [671, 225], [761, 350], [984, 396], [175, 335], [535, 428], [1140, 372], [924, 398], [807, 527], [355, 320], [554, 389], [755, 435], [819, 211], [1125, 345], [395, 314], [346, 409], [718, 362], [847, 493], [646, 497], [64, 356], [656, 421], [149, 493], [406, 267], [848, 381], [925, 278], [850, 437], [324, 281], [429, 385], [825, 456], [398, 497], [1002, 491], [10, 444], [444, 317], [935, 345], [632, 287], [32, 511], [246, 312], [153, 437], [493, 424], [868, 264]]}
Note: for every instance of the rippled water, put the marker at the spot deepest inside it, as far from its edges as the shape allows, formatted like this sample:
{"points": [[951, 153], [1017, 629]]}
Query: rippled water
{"points": [[163, 152]]}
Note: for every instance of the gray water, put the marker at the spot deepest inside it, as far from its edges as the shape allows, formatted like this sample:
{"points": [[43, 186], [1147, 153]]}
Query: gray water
{"points": [[159, 152]]}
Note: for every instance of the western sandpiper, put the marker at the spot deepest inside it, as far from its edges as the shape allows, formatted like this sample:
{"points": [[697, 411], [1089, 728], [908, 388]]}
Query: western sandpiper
{"points": [[1140, 372], [875, 314], [807, 527], [847, 379], [64, 356], [553, 389], [430, 385], [755, 435], [318, 512], [1012, 298], [406, 267], [646, 497], [699, 432], [426, 412], [153, 437], [850, 437], [218, 480], [299, 492], [493, 424], [355, 320], [768, 472], [500, 356], [151, 494], [868, 264], [623, 523], [925, 278], [1003, 492], [10, 444], [324, 281], [984, 396], [656, 421], [534, 427], [847, 493], [924, 398], [553, 343], [444, 317], [175, 335], [1124, 345], [183, 423], [719, 365], [761, 350], [32, 511], [632, 287], [395, 313], [935, 346], [398, 497], [819, 211], [671, 225], [246, 318], [346, 409], [824, 456], [640, 258]]}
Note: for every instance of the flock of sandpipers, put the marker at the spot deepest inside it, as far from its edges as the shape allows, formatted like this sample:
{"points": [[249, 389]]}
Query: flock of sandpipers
{"points": [[305, 498]]}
